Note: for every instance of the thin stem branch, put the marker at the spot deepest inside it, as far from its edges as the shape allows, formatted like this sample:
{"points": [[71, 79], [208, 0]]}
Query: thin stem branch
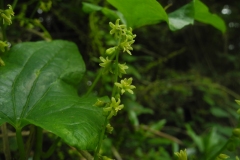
{"points": [[116, 73], [3, 30], [35, 10], [6, 148], [51, 149], [97, 78], [86, 155], [94, 82], [161, 134], [20, 144]]}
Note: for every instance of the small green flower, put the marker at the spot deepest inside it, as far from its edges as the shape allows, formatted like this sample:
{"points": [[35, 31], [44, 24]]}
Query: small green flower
{"points": [[126, 46], [125, 85], [117, 29], [3, 46], [236, 132], [2, 62], [122, 68], [182, 155], [113, 108], [106, 64], [222, 157], [7, 15], [45, 6]]}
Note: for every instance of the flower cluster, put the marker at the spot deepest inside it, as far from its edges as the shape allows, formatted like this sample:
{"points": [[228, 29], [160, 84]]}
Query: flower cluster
{"points": [[125, 36], [125, 85], [182, 155], [110, 64], [6, 18], [6, 15]]}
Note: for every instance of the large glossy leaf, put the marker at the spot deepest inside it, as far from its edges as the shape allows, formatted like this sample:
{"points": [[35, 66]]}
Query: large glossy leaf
{"points": [[38, 86], [181, 17], [141, 12], [202, 14]]}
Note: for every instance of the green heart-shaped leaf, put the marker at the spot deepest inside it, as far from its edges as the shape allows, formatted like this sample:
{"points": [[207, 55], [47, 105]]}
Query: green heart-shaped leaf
{"points": [[141, 12], [38, 85], [203, 15]]}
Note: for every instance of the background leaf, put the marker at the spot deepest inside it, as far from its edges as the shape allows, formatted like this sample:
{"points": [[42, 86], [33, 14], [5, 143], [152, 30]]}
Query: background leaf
{"points": [[140, 13], [113, 15], [181, 17], [203, 15], [88, 7], [38, 86]]}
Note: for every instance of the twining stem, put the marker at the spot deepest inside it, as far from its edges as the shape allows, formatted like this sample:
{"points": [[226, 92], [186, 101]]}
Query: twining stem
{"points": [[100, 140], [6, 148], [38, 145], [51, 149], [4, 37], [94, 82], [100, 72], [116, 74], [20, 144]]}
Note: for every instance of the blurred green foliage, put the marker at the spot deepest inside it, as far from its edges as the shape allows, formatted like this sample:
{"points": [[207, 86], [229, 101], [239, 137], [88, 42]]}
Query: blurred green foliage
{"points": [[186, 80]]}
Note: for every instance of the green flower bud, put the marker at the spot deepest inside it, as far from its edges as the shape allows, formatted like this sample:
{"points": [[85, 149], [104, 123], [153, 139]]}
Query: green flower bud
{"points": [[238, 102], [99, 103], [222, 156], [236, 132], [238, 111], [110, 51]]}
